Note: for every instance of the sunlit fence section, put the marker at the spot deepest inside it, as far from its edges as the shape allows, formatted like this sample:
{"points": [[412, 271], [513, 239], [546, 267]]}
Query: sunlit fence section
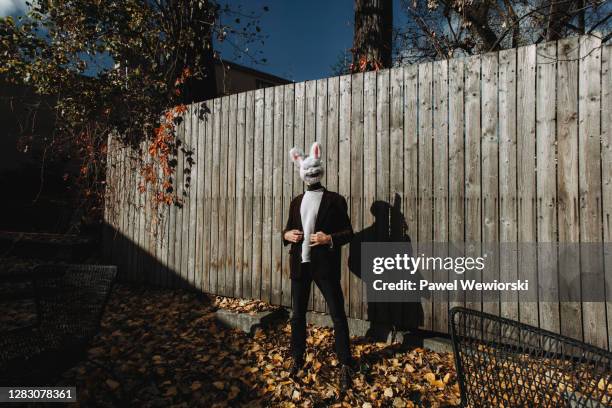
{"points": [[511, 146]]}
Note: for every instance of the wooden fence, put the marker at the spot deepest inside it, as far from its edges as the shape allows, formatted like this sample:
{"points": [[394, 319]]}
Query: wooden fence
{"points": [[513, 146]]}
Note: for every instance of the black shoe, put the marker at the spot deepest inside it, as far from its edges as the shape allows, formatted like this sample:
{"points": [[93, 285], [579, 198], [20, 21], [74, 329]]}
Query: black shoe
{"points": [[346, 378], [296, 366]]}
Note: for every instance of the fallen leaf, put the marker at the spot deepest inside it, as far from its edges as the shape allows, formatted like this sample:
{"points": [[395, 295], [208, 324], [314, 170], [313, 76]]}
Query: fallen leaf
{"points": [[112, 384]]}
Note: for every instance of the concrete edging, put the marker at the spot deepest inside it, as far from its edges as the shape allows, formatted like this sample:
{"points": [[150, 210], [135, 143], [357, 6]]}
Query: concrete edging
{"points": [[249, 323]]}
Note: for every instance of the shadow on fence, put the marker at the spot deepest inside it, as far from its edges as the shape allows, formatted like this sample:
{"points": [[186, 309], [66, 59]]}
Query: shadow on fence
{"points": [[389, 226]]}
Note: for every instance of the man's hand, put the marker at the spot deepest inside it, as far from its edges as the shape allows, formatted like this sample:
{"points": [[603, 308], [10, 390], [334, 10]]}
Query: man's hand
{"points": [[294, 235], [320, 238]]}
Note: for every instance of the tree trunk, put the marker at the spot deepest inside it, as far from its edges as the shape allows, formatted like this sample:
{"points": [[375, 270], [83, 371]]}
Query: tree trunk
{"points": [[372, 41], [560, 13]]}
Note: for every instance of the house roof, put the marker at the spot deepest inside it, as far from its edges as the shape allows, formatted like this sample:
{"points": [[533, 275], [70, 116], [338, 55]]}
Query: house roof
{"points": [[263, 75]]}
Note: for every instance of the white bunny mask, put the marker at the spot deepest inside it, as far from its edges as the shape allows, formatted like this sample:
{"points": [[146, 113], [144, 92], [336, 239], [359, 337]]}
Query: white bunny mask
{"points": [[311, 167]]}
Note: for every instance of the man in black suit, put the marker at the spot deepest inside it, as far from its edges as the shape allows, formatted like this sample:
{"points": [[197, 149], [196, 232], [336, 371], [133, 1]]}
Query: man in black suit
{"points": [[317, 227]]}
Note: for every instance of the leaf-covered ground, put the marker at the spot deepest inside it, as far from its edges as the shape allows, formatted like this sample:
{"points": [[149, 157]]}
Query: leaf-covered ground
{"points": [[163, 348]]}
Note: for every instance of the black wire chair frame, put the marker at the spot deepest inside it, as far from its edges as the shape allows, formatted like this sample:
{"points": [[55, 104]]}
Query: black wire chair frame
{"points": [[505, 363]]}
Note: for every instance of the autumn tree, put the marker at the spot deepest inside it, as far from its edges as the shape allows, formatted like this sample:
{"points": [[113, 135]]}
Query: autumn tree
{"points": [[115, 67], [372, 40], [448, 28]]}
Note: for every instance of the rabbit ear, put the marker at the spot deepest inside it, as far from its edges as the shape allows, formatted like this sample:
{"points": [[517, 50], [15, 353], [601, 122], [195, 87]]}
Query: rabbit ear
{"points": [[315, 150], [296, 154]]}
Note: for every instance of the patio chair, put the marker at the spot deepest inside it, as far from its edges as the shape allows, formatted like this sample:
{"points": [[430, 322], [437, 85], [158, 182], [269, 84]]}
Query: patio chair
{"points": [[504, 363], [69, 301]]}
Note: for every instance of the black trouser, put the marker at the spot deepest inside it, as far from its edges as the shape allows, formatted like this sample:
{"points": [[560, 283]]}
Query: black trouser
{"points": [[332, 292]]}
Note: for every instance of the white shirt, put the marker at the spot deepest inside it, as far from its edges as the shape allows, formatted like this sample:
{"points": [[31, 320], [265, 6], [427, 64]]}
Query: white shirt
{"points": [[308, 211]]}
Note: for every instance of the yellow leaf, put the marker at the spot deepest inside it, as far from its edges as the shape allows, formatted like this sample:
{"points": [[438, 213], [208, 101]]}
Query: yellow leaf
{"points": [[296, 395], [234, 391], [430, 377], [196, 385], [398, 402], [388, 392], [170, 392], [112, 384], [601, 385]]}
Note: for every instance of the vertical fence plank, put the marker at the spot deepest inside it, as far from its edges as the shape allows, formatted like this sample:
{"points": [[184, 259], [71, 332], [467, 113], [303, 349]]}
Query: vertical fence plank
{"points": [[183, 255], [135, 198], [118, 247], [258, 214], [138, 215], [310, 118], [490, 166], [344, 175], [279, 157], [332, 155], [381, 176], [321, 137], [224, 198], [356, 180], [178, 209], [310, 115], [268, 141], [249, 201], [440, 183], [589, 149], [507, 178], [411, 149], [126, 215], [192, 180], [606, 157], [413, 311], [546, 184], [400, 314], [567, 182], [473, 209], [109, 204], [382, 139], [209, 203], [147, 255], [396, 147], [299, 133], [425, 199], [526, 166], [230, 264], [200, 245], [214, 196], [164, 247], [456, 161], [370, 230], [288, 171], [299, 130], [130, 214], [240, 194]]}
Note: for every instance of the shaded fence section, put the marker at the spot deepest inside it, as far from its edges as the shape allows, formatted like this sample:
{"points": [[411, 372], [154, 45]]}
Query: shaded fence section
{"points": [[513, 146]]}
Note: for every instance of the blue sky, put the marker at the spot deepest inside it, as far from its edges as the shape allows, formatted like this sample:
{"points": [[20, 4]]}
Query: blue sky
{"points": [[303, 37]]}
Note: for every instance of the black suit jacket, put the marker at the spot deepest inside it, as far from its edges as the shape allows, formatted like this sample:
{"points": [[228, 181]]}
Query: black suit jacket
{"points": [[332, 219]]}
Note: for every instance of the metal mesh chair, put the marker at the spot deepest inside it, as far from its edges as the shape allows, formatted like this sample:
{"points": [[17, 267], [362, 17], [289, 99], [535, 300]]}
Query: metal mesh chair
{"points": [[504, 363], [70, 300]]}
